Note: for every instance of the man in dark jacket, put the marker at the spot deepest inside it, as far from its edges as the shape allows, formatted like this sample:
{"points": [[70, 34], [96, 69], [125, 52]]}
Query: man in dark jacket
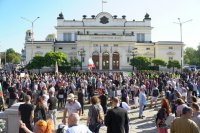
{"points": [[117, 119]]}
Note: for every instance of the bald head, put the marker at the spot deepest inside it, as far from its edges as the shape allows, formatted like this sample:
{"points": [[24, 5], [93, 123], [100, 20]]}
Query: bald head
{"points": [[73, 119]]}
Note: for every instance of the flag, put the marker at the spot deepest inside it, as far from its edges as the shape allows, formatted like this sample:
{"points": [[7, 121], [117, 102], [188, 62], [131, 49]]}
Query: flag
{"points": [[104, 1], [56, 68], [90, 64], [1, 91]]}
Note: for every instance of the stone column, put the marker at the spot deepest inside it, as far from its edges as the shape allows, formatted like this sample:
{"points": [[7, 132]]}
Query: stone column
{"points": [[120, 62], [110, 62], [100, 61]]}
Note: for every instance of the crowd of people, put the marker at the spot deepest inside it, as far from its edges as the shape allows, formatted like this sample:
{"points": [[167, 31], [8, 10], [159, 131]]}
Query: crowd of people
{"points": [[110, 97]]}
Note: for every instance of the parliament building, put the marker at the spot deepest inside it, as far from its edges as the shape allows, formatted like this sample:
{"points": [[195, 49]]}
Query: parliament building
{"points": [[110, 41]]}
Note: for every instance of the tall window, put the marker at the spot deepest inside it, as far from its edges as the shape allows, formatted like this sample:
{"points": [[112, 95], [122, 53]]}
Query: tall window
{"points": [[170, 58], [67, 37], [140, 37], [128, 59], [170, 47]]}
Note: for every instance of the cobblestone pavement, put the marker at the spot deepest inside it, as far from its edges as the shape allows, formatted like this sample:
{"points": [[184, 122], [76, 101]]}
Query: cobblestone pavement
{"points": [[145, 125]]}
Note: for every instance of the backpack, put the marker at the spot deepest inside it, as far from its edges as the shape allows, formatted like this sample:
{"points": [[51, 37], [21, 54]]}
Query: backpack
{"points": [[37, 115], [100, 115], [60, 130], [155, 93]]}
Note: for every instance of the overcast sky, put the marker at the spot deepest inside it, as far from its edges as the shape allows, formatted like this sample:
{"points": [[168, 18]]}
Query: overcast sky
{"points": [[162, 12]]}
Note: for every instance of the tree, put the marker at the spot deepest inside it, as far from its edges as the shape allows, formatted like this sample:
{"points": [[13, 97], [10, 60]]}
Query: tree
{"points": [[51, 58], [191, 56], [140, 62], [51, 37], [173, 64], [37, 62], [159, 62], [74, 62], [12, 56]]}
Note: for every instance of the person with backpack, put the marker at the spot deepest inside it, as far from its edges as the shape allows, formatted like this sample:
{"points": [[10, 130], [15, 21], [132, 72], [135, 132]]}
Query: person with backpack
{"points": [[155, 94], [39, 112], [95, 115]]}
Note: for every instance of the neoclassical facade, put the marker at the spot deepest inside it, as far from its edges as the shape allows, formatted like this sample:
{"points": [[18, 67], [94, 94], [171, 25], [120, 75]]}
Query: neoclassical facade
{"points": [[110, 41]]}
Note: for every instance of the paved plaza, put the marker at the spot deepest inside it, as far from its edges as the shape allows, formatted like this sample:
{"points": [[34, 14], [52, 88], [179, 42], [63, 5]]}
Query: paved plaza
{"points": [[145, 125]]}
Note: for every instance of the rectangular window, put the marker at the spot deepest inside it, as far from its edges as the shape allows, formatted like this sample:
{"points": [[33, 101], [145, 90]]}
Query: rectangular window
{"points": [[140, 37], [170, 58], [115, 45], [60, 48], [67, 37], [105, 45], [147, 48], [73, 47], [38, 47], [128, 59], [170, 47]]}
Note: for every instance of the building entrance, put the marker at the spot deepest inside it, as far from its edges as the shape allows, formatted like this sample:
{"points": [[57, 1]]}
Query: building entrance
{"points": [[95, 58], [115, 62], [105, 61]]}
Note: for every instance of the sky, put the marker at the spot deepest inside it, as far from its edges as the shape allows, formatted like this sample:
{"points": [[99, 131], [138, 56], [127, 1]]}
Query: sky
{"points": [[163, 14]]}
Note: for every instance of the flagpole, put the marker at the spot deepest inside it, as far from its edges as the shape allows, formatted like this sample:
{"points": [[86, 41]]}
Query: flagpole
{"points": [[102, 5]]}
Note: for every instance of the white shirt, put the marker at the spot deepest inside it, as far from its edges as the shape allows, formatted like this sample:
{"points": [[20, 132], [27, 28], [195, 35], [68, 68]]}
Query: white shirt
{"points": [[125, 106], [73, 108], [78, 129]]}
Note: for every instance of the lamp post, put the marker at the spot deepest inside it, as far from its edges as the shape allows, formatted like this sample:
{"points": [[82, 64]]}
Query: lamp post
{"points": [[133, 54], [180, 24], [181, 33], [32, 26], [82, 53]]}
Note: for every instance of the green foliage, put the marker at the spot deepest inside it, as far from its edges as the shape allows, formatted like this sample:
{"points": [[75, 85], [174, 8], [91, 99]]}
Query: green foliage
{"points": [[140, 62], [173, 64], [11, 56], [74, 62], [192, 56], [51, 58], [36, 63], [159, 62]]}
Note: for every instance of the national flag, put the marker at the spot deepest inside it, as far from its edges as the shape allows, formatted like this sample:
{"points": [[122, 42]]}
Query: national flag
{"points": [[56, 68], [1, 91], [90, 64], [104, 1]]}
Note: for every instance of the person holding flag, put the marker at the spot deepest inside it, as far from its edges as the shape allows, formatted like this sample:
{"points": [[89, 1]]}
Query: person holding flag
{"points": [[90, 64]]}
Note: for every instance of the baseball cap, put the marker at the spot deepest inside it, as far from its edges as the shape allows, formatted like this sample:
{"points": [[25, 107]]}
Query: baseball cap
{"points": [[70, 96]]}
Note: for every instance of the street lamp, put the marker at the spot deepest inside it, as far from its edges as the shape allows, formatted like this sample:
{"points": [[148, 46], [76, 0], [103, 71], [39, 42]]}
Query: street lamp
{"points": [[180, 24], [133, 54], [32, 26], [81, 53]]}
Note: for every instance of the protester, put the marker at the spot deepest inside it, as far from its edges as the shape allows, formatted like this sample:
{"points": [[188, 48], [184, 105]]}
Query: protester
{"points": [[73, 125], [196, 114], [184, 124], [39, 112], [72, 106], [116, 119], [52, 101], [142, 101], [95, 113], [26, 112], [41, 126]]}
